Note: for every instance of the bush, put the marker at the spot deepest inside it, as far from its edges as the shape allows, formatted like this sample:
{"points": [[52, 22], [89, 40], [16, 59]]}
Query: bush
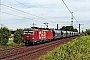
{"points": [[87, 32], [18, 36], [4, 35], [68, 28]]}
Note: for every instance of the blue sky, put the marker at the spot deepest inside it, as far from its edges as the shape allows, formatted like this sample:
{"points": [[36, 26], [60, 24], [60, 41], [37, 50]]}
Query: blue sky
{"points": [[54, 12]]}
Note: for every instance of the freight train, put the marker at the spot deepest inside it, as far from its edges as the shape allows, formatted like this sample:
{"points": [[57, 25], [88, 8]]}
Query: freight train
{"points": [[34, 34]]}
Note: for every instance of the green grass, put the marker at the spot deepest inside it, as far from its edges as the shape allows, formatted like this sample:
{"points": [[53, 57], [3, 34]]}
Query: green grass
{"points": [[12, 45], [11, 36], [78, 49]]}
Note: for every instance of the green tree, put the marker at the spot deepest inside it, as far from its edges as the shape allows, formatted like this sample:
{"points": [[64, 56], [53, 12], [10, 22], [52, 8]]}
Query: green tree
{"points": [[75, 30], [68, 28], [87, 32], [18, 36], [4, 35], [63, 28]]}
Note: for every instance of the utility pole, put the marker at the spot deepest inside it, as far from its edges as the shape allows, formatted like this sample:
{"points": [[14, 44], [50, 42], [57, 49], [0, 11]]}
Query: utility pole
{"points": [[72, 19], [33, 25], [79, 27], [46, 24], [82, 30], [57, 26]]}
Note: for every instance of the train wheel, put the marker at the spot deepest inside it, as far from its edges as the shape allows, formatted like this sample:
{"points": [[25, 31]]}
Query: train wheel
{"points": [[41, 41], [50, 40], [26, 44], [44, 41], [33, 43]]}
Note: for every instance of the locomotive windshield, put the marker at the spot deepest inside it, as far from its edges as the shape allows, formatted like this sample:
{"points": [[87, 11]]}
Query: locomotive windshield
{"points": [[28, 32]]}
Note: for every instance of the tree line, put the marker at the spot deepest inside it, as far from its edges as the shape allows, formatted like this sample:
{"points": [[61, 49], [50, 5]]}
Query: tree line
{"points": [[87, 32], [5, 34], [69, 28]]}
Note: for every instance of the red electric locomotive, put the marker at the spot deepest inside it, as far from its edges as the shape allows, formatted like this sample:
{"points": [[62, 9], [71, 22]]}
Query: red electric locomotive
{"points": [[32, 35]]}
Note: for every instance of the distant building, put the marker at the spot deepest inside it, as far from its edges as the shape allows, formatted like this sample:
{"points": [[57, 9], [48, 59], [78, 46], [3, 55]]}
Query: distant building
{"points": [[12, 31]]}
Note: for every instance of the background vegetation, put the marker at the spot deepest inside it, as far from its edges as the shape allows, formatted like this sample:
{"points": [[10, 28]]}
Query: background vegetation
{"points": [[68, 28], [4, 35], [87, 32], [8, 40], [18, 36]]}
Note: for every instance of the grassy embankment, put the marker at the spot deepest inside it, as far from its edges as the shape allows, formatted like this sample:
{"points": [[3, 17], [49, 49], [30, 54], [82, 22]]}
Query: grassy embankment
{"points": [[78, 49], [12, 45]]}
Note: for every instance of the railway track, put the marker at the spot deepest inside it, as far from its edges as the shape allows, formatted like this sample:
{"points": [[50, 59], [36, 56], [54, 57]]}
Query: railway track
{"points": [[31, 52]]}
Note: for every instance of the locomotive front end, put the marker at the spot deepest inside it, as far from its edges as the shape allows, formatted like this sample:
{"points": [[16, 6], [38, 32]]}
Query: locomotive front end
{"points": [[28, 36]]}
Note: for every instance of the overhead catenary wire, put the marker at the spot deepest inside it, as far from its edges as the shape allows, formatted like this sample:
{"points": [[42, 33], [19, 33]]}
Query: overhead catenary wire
{"points": [[76, 19], [26, 6], [32, 9], [66, 6], [69, 10], [11, 14], [22, 11], [16, 15], [26, 12]]}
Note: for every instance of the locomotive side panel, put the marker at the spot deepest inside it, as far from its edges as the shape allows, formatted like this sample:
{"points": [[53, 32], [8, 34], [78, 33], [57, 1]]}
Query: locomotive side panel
{"points": [[36, 35], [49, 35]]}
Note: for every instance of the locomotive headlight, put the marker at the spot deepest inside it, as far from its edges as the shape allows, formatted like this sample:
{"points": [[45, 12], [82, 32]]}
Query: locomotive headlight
{"points": [[27, 36], [24, 41], [32, 37]]}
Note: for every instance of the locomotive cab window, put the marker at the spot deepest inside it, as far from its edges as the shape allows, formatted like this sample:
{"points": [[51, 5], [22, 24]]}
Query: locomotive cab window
{"points": [[25, 32], [28, 32]]}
